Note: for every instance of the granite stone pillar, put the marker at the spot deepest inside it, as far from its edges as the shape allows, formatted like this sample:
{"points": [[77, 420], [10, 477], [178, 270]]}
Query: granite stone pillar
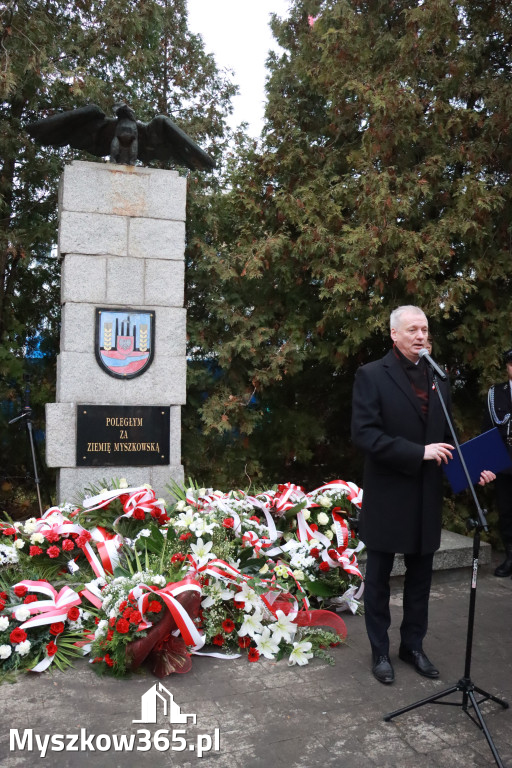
{"points": [[121, 242]]}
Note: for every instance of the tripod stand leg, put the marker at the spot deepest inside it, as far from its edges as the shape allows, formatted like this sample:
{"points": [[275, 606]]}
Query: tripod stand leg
{"points": [[428, 700], [483, 726], [496, 700]]}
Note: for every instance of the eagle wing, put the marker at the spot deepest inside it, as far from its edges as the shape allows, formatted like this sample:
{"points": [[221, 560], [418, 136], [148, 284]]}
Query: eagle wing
{"points": [[161, 139], [85, 128]]}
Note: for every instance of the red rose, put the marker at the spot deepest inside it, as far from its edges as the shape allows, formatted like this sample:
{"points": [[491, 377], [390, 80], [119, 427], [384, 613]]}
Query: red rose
{"points": [[20, 590], [185, 536], [57, 628], [18, 635], [139, 514], [164, 518], [314, 527], [122, 626], [218, 640], [73, 613], [53, 551], [51, 535], [4, 596], [228, 522], [68, 545], [315, 552], [31, 599], [244, 642], [228, 626], [154, 607], [324, 567], [34, 551], [2, 605], [253, 654], [51, 649]]}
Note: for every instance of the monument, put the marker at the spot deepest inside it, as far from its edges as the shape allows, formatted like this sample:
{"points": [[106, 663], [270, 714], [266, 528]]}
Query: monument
{"points": [[121, 371]]}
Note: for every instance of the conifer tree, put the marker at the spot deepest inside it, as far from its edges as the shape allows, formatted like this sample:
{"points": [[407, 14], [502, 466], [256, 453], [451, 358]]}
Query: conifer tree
{"points": [[383, 178]]}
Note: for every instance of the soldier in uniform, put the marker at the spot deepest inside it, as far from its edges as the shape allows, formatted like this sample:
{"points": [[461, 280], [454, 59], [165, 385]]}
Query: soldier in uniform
{"points": [[499, 414]]}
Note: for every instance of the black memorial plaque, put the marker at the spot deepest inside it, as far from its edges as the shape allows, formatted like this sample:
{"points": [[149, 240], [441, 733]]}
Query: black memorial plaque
{"points": [[122, 435]]}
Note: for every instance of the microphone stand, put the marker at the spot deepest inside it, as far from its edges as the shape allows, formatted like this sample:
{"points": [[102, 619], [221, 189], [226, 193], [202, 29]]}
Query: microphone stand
{"points": [[26, 414], [465, 684]]}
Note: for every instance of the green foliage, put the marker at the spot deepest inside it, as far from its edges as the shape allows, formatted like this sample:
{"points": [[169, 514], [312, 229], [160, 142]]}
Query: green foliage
{"points": [[55, 56], [382, 178]]}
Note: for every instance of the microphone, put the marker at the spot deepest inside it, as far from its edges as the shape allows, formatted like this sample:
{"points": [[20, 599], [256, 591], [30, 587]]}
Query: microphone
{"points": [[424, 353]]}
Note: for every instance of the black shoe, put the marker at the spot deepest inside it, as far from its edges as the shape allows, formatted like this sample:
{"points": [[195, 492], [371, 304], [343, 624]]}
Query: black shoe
{"points": [[505, 569], [419, 661], [383, 670]]}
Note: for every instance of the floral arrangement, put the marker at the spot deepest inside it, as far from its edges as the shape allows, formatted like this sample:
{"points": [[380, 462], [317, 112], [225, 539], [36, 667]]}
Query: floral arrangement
{"points": [[133, 580]]}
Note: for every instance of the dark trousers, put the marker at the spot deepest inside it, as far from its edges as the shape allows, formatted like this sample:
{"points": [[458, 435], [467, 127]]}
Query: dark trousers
{"points": [[416, 592], [504, 504]]}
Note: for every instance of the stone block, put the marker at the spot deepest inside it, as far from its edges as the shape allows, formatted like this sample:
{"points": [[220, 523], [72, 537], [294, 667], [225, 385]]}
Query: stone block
{"points": [[156, 239], [81, 380], [93, 234], [61, 434], [175, 436], [125, 281], [164, 283], [84, 279], [123, 190], [71, 481]]}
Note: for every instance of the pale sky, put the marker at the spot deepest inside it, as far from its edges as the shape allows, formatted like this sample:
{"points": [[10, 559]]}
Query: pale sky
{"points": [[238, 35]]}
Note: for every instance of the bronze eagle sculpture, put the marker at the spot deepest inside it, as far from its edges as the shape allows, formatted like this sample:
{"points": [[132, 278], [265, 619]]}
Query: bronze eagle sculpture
{"points": [[123, 137]]}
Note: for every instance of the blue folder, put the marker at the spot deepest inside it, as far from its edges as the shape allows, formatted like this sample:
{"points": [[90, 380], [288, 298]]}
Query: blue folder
{"points": [[487, 451]]}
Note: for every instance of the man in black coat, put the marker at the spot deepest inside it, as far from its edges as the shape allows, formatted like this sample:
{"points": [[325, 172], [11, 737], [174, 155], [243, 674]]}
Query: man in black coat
{"points": [[499, 414], [399, 424]]}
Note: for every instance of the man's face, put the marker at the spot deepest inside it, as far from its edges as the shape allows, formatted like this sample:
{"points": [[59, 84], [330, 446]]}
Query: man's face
{"points": [[509, 370], [411, 334]]}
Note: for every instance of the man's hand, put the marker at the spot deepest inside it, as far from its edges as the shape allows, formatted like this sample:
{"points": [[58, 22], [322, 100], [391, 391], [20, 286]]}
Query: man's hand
{"points": [[438, 452], [486, 477]]}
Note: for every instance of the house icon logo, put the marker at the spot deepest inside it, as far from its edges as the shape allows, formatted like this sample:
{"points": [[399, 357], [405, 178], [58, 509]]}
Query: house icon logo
{"points": [[156, 696]]}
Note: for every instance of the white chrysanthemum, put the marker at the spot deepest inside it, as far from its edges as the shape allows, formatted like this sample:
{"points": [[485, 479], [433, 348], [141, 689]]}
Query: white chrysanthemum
{"points": [[324, 501], [283, 628], [5, 651], [21, 613], [101, 629], [30, 525], [251, 624], [266, 644], [322, 519], [23, 648], [8, 555], [19, 543], [159, 581], [4, 623], [301, 653], [37, 538], [299, 575]]}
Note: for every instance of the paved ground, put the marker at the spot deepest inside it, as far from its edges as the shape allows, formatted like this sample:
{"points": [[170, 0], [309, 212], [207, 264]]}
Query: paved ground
{"points": [[270, 714]]}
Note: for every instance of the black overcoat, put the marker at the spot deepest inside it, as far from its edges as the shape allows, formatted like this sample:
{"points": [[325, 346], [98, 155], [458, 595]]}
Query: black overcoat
{"points": [[502, 406], [402, 493]]}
